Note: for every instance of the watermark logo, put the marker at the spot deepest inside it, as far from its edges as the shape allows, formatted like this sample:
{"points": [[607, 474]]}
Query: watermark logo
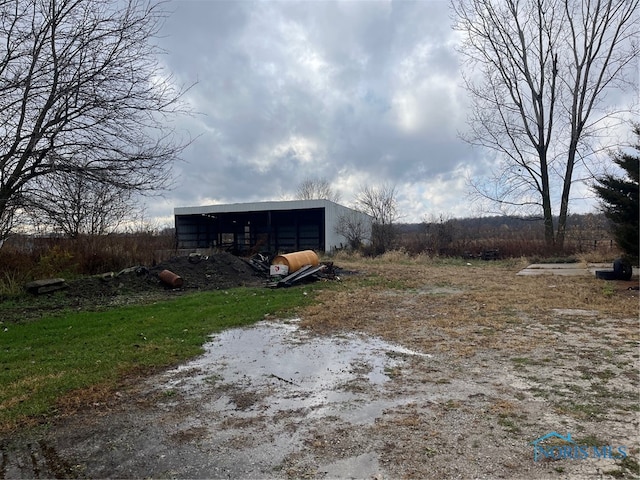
{"points": [[558, 447]]}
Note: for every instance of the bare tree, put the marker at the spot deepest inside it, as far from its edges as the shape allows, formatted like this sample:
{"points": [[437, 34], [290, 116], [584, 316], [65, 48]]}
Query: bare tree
{"points": [[73, 204], [82, 93], [540, 71], [317, 189], [381, 203]]}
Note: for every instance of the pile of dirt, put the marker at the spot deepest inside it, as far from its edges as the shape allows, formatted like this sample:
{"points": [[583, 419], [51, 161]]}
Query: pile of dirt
{"points": [[213, 272], [140, 284]]}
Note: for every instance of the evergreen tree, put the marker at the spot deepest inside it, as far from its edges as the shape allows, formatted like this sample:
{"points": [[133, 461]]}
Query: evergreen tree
{"points": [[619, 200]]}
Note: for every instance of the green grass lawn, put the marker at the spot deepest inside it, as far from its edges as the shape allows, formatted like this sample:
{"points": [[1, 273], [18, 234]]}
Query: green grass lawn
{"points": [[42, 361]]}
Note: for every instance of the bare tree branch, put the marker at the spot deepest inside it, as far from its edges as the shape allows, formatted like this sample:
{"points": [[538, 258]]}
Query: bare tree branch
{"points": [[317, 189], [82, 93], [74, 205]]}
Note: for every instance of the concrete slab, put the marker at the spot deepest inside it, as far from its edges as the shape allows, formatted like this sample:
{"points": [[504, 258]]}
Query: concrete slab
{"points": [[575, 312], [567, 269]]}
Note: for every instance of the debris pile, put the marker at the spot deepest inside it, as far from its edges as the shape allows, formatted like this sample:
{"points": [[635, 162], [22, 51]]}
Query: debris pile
{"points": [[493, 254], [283, 271], [220, 270]]}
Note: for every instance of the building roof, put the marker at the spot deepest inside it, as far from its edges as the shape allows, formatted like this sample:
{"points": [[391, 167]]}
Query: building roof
{"points": [[258, 207]]}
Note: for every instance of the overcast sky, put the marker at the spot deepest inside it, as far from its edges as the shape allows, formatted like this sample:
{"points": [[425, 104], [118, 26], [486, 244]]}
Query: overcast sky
{"points": [[355, 92]]}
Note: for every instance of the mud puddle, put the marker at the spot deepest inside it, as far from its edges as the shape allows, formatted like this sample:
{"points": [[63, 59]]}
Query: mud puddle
{"points": [[257, 402], [287, 370]]}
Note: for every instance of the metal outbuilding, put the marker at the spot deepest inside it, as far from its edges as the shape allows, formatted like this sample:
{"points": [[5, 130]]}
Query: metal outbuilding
{"points": [[280, 226]]}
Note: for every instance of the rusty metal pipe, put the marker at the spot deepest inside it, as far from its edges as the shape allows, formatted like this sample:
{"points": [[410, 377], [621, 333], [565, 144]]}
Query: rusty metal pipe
{"points": [[171, 279]]}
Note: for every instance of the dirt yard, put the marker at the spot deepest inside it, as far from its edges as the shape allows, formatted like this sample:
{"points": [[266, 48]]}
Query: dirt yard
{"points": [[405, 369]]}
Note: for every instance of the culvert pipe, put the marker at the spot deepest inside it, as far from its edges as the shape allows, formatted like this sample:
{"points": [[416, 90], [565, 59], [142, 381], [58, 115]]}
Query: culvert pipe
{"points": [[296, 260]]}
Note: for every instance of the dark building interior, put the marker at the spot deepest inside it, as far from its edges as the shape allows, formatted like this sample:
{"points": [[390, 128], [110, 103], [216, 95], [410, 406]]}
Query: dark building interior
{"points": [[244, 233]]}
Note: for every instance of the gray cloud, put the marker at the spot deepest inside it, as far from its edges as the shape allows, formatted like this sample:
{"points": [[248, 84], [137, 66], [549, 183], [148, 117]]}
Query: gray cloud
{"points": [[353, 92]]}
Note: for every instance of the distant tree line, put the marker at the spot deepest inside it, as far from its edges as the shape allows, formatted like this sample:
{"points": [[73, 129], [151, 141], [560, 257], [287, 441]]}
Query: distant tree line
{"points": [[506, 236], [503, 236]]}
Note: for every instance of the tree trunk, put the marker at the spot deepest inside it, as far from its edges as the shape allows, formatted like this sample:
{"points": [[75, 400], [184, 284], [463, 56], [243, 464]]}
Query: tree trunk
{"points": [[547, 213], [566, 189], [5, 217], [548, 221]]}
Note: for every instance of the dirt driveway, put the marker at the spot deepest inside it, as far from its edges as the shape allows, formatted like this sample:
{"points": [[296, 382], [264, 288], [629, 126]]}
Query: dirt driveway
{"points": [[412, 369]]}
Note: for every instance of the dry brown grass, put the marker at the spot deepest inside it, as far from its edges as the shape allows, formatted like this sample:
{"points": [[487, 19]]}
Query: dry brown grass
{"points": [[459, 306]]}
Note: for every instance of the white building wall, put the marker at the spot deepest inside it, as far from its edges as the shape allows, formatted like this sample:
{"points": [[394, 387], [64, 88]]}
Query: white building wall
{"points": [[332, 214]]}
